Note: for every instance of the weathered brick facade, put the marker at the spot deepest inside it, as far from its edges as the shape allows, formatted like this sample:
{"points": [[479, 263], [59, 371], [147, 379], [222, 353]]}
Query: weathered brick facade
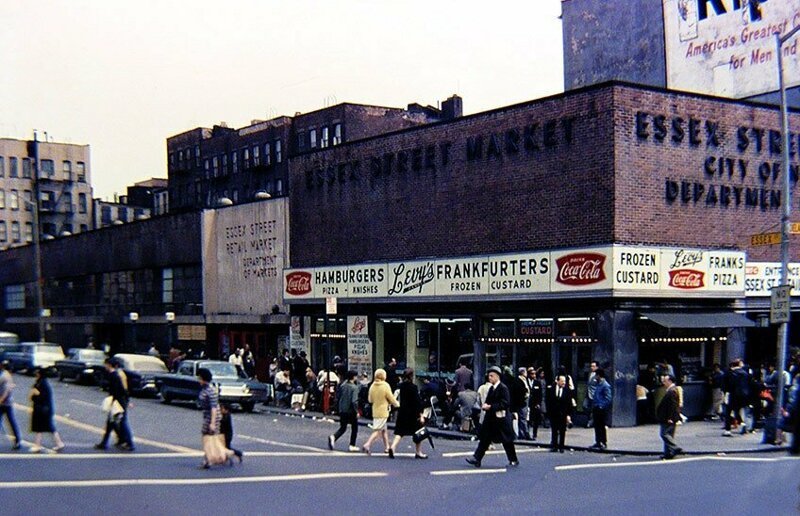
{"points": [[587, 167]]}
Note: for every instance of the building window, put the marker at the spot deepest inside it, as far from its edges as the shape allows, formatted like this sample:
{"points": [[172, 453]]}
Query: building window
{"points": [[301, 141], [14, 200], [47, 200], [166, 286], [224, 164], [82, 203], [67, 227], [66, 197], [80, 170], [196, 155], [246, 158], [105, 215], [138, 213], [84, 228], [28, 196], [267, 154], [2, 166], [256, 157], [122, 214], [215, 166], [15, 297], [235, 195], [268, 187], [2, 199], [48, 169], [3, 232], [325, 141], [171, 159], [312, 138], [12, 167], [235, 162], [26, 168], [278, 153], [66, 167], [278, 187], [29, 232], [337, 134], [207, 168], [15, 232]]}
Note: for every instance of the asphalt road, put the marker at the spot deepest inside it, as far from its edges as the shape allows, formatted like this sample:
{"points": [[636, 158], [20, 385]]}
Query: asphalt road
{"points": [[288, 469]]}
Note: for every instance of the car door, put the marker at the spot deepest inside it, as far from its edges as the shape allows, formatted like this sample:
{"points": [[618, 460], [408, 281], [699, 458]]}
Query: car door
{"points": [[184, 380]]}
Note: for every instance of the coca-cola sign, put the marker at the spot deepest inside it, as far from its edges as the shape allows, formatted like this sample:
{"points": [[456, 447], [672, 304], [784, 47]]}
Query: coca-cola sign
{"points": [[298, 283], [686, 278], [578, 269]]}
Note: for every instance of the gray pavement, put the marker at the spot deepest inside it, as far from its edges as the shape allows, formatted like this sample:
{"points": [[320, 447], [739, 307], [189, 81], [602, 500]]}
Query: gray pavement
{"points": [[695, 437]]}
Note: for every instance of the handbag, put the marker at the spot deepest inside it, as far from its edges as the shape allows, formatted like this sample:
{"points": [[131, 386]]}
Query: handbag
{"points": [[422, 434], [112, 407]]}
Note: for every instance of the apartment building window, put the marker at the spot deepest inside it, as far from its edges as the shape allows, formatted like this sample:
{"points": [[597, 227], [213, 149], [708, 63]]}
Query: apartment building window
{"points": [[224, 164], [48, 169], [312, 138], [66, 168], [337, 134], [82, 203], [246, 158], [301, 141], [15, 232], [49, 228], [80, 169], [12, 167], [15, 297], [235, 195], [167, 285], [105, 215], [29, 232], [2, 199], [84, 228], [235, 162], [207, 168], [268, 187], [278, 187], [171, 159], [278, 153], [67, 198], [122, 214], [256, 157], [138, 213], [180, 158], [196, 155], [325, 141], [14, 200], [26, 168], [3, 232], [267, 154], [67, 227], [2, 166], [28, 196], [215, 166]]}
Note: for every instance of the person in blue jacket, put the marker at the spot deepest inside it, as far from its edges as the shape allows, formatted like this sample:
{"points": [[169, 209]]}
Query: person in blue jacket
{"points": [[600, 407]]}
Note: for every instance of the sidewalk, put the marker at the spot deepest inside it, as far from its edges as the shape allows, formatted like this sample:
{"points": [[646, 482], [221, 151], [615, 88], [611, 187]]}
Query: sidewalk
{"points": [[695, 437]]}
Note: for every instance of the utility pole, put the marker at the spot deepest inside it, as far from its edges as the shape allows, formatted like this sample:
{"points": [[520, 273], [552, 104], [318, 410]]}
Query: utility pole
{"points": [[37, 248]]}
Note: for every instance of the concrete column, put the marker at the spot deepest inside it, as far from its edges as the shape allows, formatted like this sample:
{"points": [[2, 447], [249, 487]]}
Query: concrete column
{"points": [[618, 350], [737, 338]]}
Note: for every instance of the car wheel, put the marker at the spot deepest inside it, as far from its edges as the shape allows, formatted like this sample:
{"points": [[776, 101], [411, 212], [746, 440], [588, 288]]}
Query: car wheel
{"points": [[165, 398], [248, 406]]}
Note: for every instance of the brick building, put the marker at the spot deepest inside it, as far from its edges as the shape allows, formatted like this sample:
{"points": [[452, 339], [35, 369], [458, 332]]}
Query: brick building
{"points": [[610, 223]]}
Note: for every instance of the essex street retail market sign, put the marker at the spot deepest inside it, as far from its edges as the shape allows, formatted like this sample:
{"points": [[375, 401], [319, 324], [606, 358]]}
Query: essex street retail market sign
{"points": [[620, 270]]}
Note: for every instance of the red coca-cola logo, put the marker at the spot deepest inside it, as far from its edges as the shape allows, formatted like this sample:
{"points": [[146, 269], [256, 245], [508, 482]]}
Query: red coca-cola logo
{"points": [[686, 278], [298, 283], [581, 268]]}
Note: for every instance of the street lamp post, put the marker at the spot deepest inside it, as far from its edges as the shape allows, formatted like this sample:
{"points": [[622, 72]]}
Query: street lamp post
{"points": [[170, 317], [783, 330], [133, 316]]}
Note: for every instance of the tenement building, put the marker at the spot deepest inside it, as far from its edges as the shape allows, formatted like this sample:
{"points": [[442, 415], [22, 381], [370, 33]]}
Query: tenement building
{"points": [[610, 223]]}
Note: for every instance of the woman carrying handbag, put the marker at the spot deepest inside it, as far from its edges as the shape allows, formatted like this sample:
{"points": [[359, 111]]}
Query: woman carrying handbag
{"points": [[409, 416]]}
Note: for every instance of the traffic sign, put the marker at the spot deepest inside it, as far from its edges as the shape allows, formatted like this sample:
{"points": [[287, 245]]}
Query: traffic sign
{"points": [[779, 304]]}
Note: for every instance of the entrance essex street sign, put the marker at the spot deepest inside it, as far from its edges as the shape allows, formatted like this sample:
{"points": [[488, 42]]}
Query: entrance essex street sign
{"points": [[779, 304], [773, 237]]}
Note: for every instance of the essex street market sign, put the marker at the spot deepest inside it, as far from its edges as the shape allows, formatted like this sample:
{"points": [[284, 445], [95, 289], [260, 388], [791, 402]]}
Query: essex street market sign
{"points": [[618, 270]]}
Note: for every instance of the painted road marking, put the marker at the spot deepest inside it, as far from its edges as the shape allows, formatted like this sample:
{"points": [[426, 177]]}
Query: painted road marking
{"points": [[492, 452], [573, 467], [277, 443], [100, 431], [474, 471], [48, 484], [168, 455], [86, 404]]}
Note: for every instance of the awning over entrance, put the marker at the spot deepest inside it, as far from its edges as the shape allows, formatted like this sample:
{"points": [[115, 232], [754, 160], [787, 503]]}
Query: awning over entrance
{"points": [[699, 320]]}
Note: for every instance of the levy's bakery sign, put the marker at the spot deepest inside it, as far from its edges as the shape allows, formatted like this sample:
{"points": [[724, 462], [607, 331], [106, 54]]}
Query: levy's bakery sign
{"points": [[614, 270], [737, 166]]}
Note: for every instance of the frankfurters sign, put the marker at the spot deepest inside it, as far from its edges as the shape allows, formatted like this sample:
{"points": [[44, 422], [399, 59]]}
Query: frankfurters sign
{"points": [[609, 270]]}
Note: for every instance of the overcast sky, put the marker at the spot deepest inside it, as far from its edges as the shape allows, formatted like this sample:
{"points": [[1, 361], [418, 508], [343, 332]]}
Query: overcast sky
{"points": [[122, 76]]}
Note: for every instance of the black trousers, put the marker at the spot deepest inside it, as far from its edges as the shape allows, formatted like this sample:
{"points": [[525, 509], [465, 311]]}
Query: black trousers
{"points": [[345, 419], [600, 416], [483, 445], [536, 420], [558, 432]]}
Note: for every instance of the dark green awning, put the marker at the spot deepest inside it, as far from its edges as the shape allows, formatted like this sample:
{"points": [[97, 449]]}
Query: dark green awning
{"points": [[699, 320]]}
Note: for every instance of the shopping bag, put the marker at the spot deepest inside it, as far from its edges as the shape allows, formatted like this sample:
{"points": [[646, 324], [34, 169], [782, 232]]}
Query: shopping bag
{"points": [[215, 450]]}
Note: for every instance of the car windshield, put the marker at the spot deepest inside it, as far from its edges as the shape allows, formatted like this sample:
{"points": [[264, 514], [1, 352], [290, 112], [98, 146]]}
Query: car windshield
{"points": [[220, 369], [147, 365], [48, 348], [91, 354]]}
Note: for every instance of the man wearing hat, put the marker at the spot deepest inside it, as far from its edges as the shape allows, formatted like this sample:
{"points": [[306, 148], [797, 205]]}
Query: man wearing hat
{"points": [[668, 414], [497, 426]]}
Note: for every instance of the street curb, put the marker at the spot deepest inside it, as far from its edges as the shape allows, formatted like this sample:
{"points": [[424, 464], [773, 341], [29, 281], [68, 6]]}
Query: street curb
{"points": [[458, 436]]}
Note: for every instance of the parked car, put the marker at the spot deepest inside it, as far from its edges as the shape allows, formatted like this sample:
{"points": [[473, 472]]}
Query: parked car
{"points": [[80, 365], [30, 355], [140, 371], [232, 385], [8, 342]]}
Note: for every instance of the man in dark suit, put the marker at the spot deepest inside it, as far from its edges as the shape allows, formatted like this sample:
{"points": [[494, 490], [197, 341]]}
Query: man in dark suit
{"points": [[559, 411], [497, 426], [668, 415]]}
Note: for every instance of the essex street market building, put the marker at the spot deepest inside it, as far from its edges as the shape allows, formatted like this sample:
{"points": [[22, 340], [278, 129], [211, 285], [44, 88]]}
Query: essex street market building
{"points": [[610, 223]]}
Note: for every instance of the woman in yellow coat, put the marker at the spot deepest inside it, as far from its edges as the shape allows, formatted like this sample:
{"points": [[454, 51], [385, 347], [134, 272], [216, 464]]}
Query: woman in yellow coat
{"points": [[380, 396]]}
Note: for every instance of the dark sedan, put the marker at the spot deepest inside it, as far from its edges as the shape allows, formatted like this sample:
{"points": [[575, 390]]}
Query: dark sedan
{"points": [[81, 365]]}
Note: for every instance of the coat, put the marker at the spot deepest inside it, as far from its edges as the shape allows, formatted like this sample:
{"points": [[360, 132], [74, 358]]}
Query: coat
{"points": [[559, 408], [668, 410], [498, 429], [410, 409], [380, 396], [42, 417]]}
